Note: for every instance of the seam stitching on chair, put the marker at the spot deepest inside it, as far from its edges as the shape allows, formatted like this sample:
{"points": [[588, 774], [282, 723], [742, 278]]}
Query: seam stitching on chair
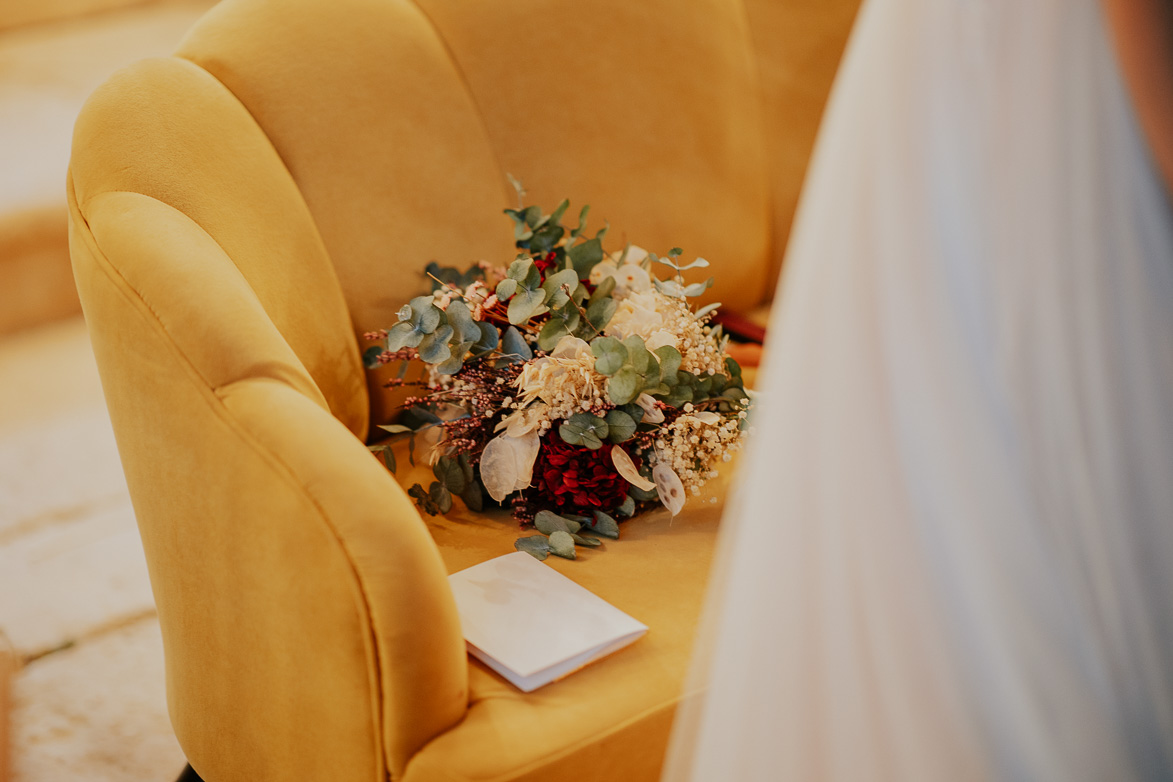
{"points": [[471, 97], [233, 269], [219, 408]]}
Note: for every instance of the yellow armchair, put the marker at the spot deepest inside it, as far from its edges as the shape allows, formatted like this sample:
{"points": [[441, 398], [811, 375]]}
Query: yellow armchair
{"points": [[242, 211]]}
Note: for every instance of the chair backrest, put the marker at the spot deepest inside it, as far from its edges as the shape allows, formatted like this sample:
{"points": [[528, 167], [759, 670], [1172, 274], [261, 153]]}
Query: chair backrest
{"points": [[241, 213], [399, 121]]}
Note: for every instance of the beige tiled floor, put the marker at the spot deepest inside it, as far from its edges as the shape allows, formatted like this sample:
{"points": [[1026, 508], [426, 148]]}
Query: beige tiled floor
{"points": [[74, 594], [47, 71]]}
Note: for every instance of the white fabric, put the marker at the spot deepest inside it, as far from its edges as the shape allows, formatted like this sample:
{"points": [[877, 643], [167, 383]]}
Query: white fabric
{"points": [[951, 554]]}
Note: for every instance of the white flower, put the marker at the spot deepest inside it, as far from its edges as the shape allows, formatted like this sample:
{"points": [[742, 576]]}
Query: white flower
{"points": [[635, 254], [628, 277], [659, 338], [632, 277], [524, 421], [601, 271], [572, 347], [507, 464], [636, 314]]}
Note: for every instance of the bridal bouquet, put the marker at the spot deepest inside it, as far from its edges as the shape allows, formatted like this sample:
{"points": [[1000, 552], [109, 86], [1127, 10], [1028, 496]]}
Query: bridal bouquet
{"points": [[574, 385]]}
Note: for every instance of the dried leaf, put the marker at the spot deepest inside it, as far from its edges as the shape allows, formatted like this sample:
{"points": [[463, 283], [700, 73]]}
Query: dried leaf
{"points": [[626, 467], [507, 464], [652, 413], [669, 487]]}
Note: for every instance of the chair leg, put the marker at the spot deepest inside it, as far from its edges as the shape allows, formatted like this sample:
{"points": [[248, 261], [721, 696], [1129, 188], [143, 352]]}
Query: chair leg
{"points": [[189, 775]]}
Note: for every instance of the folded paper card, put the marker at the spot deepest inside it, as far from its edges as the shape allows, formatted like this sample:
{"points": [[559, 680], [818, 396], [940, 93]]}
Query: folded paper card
{"points": [[533, 625]]}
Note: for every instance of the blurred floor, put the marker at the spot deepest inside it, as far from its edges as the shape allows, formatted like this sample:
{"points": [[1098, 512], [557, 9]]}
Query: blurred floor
{"points": [[74, 596], [47, 70]]}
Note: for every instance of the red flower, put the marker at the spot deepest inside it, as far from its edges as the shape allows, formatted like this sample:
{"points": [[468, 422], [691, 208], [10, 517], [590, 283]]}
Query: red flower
{"points": [[576, 479], [545, 262]]}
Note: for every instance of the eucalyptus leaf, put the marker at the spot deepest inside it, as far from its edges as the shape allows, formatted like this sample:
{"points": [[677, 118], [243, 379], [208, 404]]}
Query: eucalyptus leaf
{"points": [[705, 310], [370, 356], [403, 335], [678, 396], [556, 215], [584, 540], [545, 237], [549, 522], [610, 355], [460, 318], [405, 313], [536, 545], [634, 411], [421, 414], [489, 338], [643, 496], [386, 453], [670, 359], [553, 331], [519, 269], [473, 496], [624, 386], [605, 525], [533, 277], [600, 312], [525, 304], [604, 289], [562, 545], [560, 287], [627, 509], [620, 426], [584, 256], [697, 288], [638, 356], [449, 473], [434, 349], [440, 496], [506, 288], [513, 344], [699, 263], [670, 288], [419, 305], [584, 429], [430, 319], [582, 219], [453, 365]]}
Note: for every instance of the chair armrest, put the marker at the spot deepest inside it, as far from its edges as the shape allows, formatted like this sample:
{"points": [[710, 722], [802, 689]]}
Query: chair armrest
{"points": [[307, 624]]}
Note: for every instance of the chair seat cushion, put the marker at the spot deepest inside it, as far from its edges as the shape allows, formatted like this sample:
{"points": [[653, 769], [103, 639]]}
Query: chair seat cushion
{"points": [[610, 720]]}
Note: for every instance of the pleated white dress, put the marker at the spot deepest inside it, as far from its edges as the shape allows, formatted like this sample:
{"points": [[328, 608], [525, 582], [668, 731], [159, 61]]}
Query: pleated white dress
{"points": [[951, 553]]}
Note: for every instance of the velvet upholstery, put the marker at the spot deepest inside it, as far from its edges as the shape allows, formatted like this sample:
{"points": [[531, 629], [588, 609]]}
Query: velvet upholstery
{"points": [[243, 211]]}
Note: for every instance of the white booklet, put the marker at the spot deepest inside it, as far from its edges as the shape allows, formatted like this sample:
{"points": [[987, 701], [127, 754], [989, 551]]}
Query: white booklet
{"points": [[533, 625]]}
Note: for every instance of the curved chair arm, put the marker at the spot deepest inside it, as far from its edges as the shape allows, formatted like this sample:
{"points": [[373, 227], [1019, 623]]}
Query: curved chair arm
{"points": [[308, 627]]}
